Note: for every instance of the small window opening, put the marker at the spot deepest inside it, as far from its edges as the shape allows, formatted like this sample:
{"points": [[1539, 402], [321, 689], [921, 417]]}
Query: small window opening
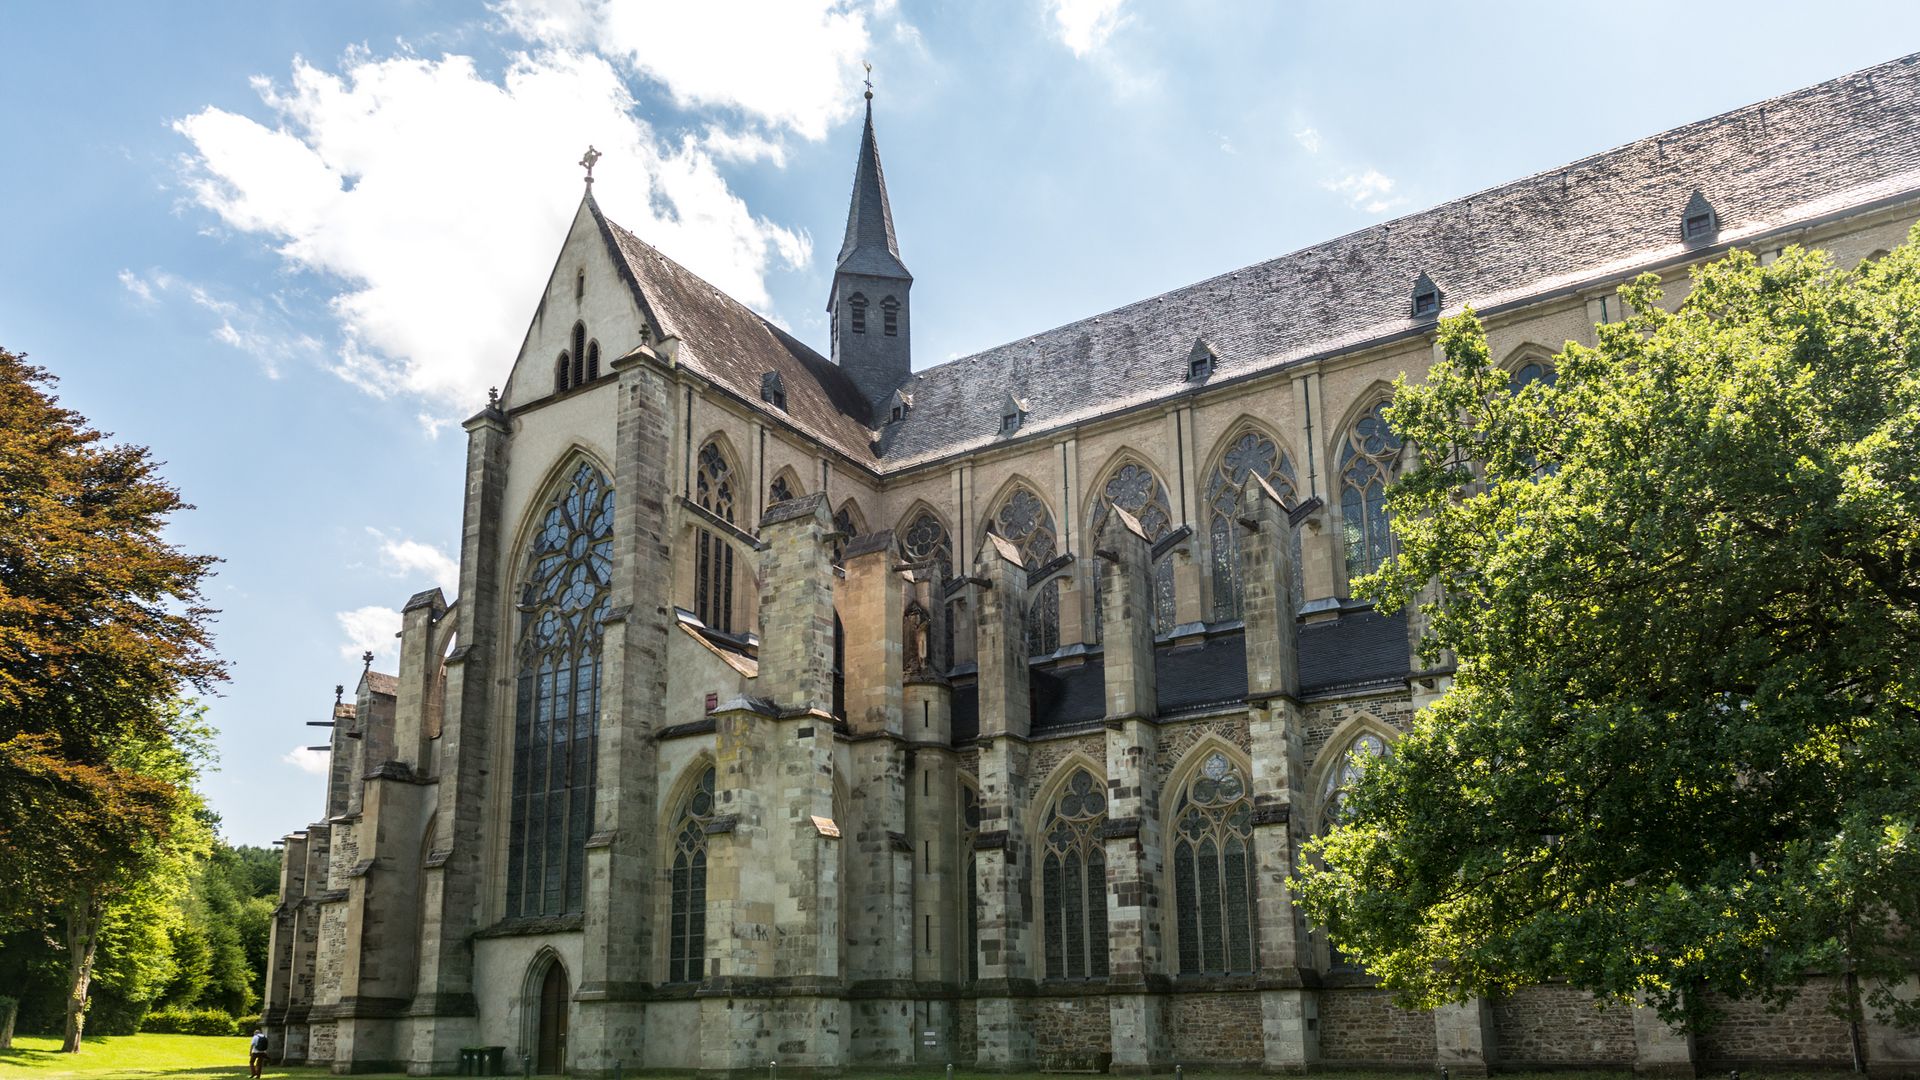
{"points": [[593, 360], [857, 313], [890, 317], [1697, 220], [1699, 225], [1200, 361], [562, 373], [1426, 303], [773, 391], [579, 284]]}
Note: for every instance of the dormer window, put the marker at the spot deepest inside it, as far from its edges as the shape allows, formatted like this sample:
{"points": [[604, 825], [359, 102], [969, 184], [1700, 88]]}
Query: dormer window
{"points": [[1013, 413], [1426, 297], [902, 404], [857, 313], [1200, 361], [890, 317], [773, 391], [1698, 221]]}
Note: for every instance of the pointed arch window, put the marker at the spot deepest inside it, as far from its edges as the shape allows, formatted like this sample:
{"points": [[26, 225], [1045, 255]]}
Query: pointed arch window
{"points": [[1026, 523], [557, 699], [1249, 454], [687, 931], [1333, 793], [780, 491], [1366, 462], [925, 540], [593, 360], [1135, 489], [579, 353], [1213, 870], [1073, 881], [1533, 371], [563, 372], [713, 556], [847, 525]]}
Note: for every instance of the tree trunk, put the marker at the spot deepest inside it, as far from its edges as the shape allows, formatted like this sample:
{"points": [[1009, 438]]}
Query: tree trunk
{"points": [[83, 937]]}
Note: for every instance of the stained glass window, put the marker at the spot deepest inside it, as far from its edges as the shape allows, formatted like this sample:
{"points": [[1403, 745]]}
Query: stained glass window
{"points": [[713, 556], [1333, 791], [1366, 461], [925, 540], [1251, 453], [780, 491], [1025, 522], [1213, 873], [1073, 881], [687, 934], [1135, 489], [1532, 372], [848, 526], [557, 698]]}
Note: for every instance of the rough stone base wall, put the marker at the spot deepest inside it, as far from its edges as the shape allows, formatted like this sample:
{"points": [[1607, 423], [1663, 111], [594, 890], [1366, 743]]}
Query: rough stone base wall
{"points": [[1558, 1025], [1072, 1033], [965, 1049], [1218, 1029], [1748, 1033], [321, 1038], [1361, 1026]]}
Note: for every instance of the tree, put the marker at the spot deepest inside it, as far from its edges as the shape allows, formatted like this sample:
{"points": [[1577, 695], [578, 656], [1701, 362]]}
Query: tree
{"points": [[102, 625], [1681, 584], [101, 620]]}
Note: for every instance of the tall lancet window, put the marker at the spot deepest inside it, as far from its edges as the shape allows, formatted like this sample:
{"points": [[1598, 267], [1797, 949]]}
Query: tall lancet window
{"points": [[1366, 462], [1027, 524], [1213, 870], [1073, 881], [557, 701], [687, 928], [1135, 489], [1250, 453], [713, 556], [1333, 804]]}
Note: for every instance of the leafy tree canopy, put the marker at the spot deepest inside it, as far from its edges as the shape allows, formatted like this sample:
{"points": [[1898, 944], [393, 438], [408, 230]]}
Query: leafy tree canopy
{"points": [[100, 617], [1682, 588]]}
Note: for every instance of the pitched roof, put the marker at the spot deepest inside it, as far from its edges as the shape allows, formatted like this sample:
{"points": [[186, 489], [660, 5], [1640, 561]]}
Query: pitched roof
{"points": [[870, 246], [724, 341], [1794, 158]]}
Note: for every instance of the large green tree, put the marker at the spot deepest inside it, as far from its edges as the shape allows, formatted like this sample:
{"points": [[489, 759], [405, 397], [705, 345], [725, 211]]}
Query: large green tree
{"points": [[1682, 587], [102, 627]]}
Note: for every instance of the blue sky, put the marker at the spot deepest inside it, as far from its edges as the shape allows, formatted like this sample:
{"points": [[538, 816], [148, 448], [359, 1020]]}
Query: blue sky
{"points": [[288, 245]]}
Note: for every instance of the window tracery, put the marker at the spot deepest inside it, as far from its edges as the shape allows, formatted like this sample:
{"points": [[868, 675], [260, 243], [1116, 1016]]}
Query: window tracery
{"points": [[713, 556], [1026, 523], [1135, 489], [1073, 881], [969, 829], [687, 933], [557, 699], [1333, 791], [780, 491], [1250, 454], [1213, 870], [1366, 462]]}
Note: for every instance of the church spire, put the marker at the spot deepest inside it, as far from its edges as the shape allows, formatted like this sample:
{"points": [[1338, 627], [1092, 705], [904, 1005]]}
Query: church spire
{"points": [[870, 247], [869, 309]]}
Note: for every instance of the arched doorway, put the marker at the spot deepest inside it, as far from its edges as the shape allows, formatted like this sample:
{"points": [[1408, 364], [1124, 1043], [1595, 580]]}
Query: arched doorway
{"points": [[550, 1044]]}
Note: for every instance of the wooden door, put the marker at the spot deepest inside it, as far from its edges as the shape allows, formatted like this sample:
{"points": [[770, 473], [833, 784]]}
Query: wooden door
{"points": [[551, 1055]]}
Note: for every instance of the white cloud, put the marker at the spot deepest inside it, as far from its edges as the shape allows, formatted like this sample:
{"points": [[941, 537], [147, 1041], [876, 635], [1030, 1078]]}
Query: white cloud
{"points": [[251, 328], [792, 64], [370, 629], [1085, 25], [413, 559], [743, 146], [434, 199], [1366, 189], [1308, 138], [316, 762]]}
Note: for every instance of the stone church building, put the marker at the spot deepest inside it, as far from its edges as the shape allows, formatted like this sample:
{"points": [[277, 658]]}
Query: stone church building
{"points": [[826, 710]]}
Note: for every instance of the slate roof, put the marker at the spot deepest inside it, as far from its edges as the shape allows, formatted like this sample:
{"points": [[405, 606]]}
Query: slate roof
{"points": [[870, 246], [724, 341], [1841, 144], [1362, 650]]}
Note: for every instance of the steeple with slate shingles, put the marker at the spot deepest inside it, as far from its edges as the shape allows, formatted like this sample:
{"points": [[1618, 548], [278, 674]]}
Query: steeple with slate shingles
{"points": [[869, 306]]}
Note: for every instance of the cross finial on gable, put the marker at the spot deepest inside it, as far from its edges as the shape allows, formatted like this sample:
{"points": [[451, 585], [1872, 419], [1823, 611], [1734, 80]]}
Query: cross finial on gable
{"points": [[493, 397], [588, 161], [366, 661]]}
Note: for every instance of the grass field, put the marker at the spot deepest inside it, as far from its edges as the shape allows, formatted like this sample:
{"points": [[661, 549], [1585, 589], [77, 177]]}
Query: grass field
{"points": [[181, 1057]]}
